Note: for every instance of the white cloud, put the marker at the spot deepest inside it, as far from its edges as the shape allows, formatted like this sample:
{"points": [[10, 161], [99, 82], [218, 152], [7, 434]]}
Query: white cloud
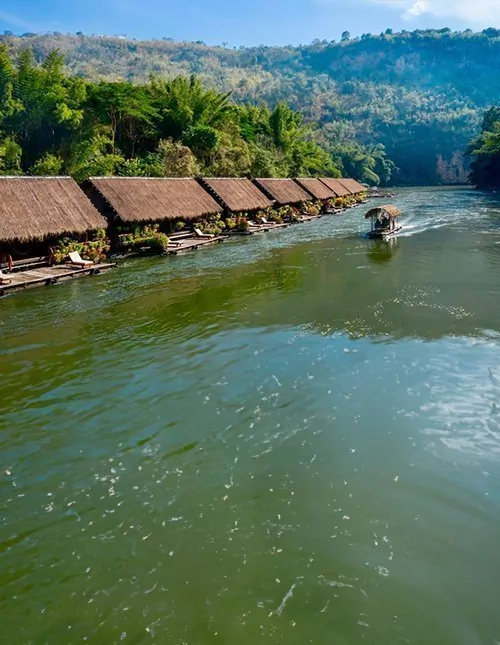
{"points": [[479, 12]]}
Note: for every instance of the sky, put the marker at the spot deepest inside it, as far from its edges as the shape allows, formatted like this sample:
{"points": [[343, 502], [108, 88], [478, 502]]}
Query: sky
{"points": [[241, 22]]}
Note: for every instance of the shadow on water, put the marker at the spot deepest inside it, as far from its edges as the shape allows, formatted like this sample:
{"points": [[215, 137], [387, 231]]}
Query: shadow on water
{"points": [[382, 251]]}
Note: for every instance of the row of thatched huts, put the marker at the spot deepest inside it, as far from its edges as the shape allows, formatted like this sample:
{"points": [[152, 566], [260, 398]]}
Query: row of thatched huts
{"points": [[35, 210]]}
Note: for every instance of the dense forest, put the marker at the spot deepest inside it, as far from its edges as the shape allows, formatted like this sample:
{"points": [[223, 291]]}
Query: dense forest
{"points": [[52, 123], [419, 94], [485, 151]]}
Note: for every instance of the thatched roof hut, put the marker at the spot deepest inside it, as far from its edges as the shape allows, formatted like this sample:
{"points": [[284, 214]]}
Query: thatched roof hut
{"points": [[35, 208], [353, 186], [386, 210], [284, 192], [236, 194], [316, 188], [151, 199], [336, 186]]}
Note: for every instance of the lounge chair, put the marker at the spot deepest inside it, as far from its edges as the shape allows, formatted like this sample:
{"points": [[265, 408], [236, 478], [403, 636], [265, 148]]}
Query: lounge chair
{"points": [[198, 233], [76, 259], [3, 279], [266, 222]]}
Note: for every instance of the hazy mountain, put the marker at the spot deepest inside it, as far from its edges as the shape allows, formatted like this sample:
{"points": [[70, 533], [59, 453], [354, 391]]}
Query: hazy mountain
{"points": [[421, 94]]}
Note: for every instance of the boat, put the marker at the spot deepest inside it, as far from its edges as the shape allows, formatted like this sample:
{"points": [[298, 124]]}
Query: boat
{"points": [[384, 221]]}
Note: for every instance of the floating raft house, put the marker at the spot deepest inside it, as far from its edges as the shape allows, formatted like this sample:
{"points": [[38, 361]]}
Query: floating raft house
{"points": [[284, 192], [336, 187], [353, 186], [35, 212], [150, 199], [34, 209], [236, 195], [317, 188]]}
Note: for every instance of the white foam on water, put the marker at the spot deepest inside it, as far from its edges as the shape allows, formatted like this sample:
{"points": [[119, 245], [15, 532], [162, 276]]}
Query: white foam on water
{"points": [[463, 413]]}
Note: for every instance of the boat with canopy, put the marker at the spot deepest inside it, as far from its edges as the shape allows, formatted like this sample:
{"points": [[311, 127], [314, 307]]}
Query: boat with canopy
{"points": [[383, 221]]}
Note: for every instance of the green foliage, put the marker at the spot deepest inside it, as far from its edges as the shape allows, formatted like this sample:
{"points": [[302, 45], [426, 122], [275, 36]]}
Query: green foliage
{"points": [[420, 93], [242, 223], [48, 165], [159, 242], [145, 236], [95, 250], [201, 138], [485, 169], [92, 157], [163, 127], [10, 157], [177, 160], [212, 224]]}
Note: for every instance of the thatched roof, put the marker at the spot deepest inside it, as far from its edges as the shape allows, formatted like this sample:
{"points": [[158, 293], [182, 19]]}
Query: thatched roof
{"points": [[317, 188], [34, 208], [336, 186], [387, 209], [237, 194], [353, 186], [154, 199], [283, 191]]}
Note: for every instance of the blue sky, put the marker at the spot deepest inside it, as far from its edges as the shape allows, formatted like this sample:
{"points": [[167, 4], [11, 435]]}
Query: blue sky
{"points": [[240, 22]]}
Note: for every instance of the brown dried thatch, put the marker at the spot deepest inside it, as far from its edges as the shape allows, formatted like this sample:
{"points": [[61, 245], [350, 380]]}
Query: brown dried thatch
{"points": [[336, 186], [283, 191], [237, 194], [317, 188], [34, 208], [153, 199], [353, 186], [387, 209]]}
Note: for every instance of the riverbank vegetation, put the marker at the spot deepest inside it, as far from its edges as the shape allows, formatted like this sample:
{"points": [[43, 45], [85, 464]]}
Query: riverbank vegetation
{"points": [[485, 151], [420, 94], [52, 123]]}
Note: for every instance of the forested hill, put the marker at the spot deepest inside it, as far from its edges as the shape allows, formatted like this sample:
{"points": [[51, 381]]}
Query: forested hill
{"points": [[420, 94]]}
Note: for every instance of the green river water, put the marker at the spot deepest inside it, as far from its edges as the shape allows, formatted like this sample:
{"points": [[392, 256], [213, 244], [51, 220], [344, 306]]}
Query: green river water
{"points": [[292, 438]]}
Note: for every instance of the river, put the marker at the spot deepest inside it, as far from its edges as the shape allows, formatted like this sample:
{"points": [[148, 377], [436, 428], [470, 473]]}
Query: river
{"points": [[292, 438]]}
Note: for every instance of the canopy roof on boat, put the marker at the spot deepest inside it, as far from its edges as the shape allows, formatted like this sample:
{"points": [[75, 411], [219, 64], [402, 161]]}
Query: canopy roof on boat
{"points": [[388, 210]]}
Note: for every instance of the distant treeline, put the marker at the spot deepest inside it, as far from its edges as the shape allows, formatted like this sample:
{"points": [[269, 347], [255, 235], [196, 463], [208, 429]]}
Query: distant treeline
{"points": [[485, 151], [421, 94], [52, 123]]}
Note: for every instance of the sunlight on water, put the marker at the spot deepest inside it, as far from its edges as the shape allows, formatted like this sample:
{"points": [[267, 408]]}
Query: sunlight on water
{"points": [[293, 438]]}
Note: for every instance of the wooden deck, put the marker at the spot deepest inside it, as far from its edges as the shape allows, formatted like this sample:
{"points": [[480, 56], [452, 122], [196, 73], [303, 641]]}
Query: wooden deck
{"points": [[187, 244], [309, 218], [259, 228], [42, 276]]}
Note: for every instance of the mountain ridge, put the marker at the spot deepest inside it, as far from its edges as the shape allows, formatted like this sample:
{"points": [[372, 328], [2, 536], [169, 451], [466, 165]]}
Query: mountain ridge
{"points": [[420, 94]]}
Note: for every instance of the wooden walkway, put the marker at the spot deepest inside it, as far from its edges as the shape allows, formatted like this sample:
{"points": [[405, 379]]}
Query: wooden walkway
{"points": [[42, 276]]}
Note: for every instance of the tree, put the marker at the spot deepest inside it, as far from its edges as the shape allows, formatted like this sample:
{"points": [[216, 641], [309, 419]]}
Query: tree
{"points": [[177, 160], [52, 123], [127, 110], [49, 165], [10, 157], [183, 102], [485, 168], [345, 37]]}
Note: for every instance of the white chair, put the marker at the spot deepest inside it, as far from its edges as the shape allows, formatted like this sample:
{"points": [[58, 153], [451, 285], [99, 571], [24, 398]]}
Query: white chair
{"points": [[198, 233], [3, 279], [76, 259]]}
